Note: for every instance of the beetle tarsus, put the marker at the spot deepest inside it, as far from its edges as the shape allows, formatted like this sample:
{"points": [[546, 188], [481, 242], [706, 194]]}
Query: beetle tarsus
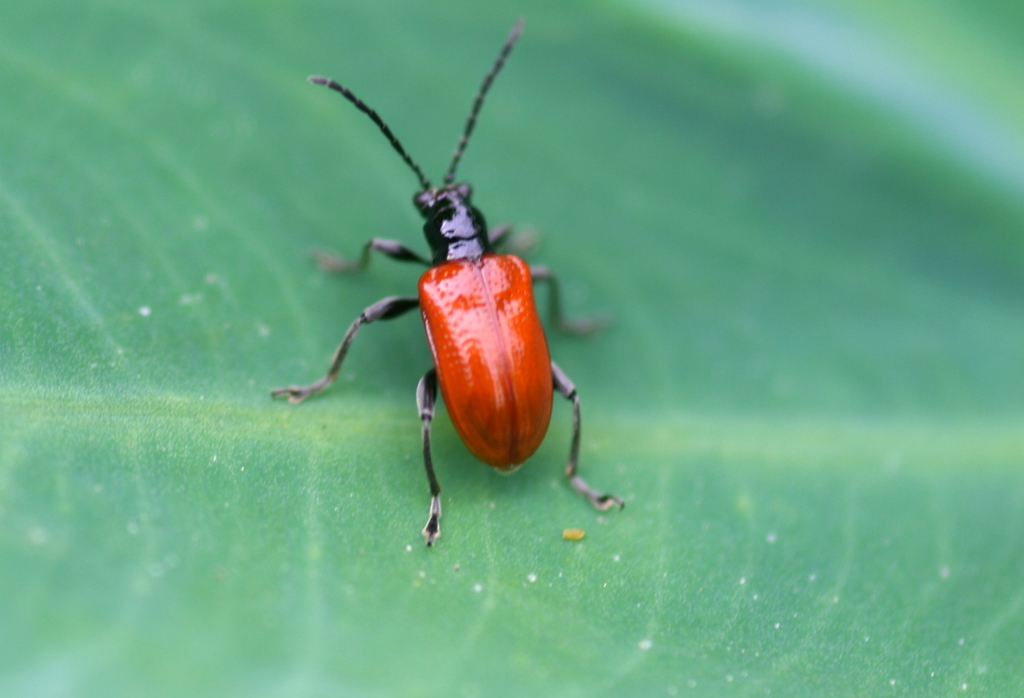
{"points": [[297, 394], [334, 263], [602, 502], [432, 531]]}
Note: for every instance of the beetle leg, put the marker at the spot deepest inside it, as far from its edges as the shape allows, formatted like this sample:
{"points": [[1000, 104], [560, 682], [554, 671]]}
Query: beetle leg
{"points": [[329, 261], [497, 236], [519, 244], [602, 501], [577, 326], [385, 309], [426, 396]]}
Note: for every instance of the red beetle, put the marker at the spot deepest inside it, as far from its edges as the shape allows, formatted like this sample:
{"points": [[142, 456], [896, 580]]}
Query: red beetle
{"points": [[490, 355]]}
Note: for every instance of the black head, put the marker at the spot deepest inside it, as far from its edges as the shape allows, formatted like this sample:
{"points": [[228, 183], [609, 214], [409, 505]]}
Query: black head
{"points": [[455, 229]]}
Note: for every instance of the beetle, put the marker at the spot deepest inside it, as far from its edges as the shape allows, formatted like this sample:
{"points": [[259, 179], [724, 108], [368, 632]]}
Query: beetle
{"points": [[490, 353]]}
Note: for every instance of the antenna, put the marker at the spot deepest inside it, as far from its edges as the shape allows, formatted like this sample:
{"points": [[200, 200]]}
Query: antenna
{"points": [[395, 143], [478, 102]]}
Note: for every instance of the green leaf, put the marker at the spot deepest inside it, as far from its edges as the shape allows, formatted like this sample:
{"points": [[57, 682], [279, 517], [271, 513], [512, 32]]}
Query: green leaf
{"points": [[806, 219]]}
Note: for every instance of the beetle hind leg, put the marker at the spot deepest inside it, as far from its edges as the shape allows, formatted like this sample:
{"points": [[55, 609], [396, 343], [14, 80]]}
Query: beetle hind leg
{"points": [[601, 501], [426, 396]]}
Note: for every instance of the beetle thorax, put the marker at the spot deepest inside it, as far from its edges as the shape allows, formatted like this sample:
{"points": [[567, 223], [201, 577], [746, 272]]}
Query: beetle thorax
{"points": [[455, 229]]}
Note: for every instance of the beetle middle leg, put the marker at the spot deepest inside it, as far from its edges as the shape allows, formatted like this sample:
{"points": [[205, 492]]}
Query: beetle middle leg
{"points": [[602, 501], [329, 261], [577, 326], [519, 244], [426, 396], [385, 309]]}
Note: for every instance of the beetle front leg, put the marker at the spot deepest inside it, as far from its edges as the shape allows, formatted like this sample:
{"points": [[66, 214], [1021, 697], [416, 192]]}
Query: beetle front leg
{"points": [[497, 236], [329, 261], [519, 244], [578, 326], [602, 501], [385, 309], [426, 396]]}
